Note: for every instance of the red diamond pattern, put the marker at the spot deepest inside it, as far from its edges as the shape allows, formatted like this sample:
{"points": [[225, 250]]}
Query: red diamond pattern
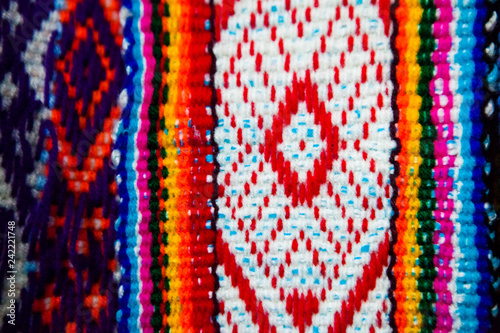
{"points": [[297, 251]]}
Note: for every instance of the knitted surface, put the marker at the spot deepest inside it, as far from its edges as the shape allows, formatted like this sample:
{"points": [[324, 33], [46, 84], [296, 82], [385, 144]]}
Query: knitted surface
{"points": [[250, 165]]}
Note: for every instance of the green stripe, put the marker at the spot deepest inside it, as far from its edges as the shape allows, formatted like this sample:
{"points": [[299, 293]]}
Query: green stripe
{"points": [[153, 167], [425, 217]]}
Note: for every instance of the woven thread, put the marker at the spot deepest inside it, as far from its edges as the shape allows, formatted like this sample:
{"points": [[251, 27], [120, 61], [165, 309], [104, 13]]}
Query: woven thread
{"points": [[491, 141], [74, 65], [283, 251], [250, 165], [174, 159]]}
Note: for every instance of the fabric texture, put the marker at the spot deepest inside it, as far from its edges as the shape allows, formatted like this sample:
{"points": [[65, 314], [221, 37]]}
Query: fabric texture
{"points": [[249, 166]]}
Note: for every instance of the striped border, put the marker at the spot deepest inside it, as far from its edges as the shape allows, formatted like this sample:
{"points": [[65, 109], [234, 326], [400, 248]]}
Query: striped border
{"points": [[166, 149], [440, 185], [446, 287]]}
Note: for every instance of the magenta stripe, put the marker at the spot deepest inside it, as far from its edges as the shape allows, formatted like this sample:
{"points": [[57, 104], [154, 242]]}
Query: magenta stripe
{"points": [[440, 113], [142, 185]]}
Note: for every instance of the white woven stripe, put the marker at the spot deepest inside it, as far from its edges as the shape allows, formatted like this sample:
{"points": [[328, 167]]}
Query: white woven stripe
{"points": [[256, 198]]}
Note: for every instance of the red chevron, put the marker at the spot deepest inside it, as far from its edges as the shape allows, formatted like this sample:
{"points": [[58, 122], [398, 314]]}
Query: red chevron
{"points": [[342, 319]]}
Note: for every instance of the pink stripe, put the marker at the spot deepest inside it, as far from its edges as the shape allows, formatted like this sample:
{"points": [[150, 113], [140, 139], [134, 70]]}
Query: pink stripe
{"points": [[142, 185], [440, 113]]}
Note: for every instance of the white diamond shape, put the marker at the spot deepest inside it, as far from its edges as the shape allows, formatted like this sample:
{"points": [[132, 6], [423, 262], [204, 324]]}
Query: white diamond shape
{"points": [[254, 209]]}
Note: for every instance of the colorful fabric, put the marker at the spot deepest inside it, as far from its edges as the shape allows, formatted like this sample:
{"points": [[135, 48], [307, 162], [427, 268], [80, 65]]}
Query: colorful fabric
{"points": [[304, 152], [442, 232], [249, 165], [66, 83], [165, 229]]}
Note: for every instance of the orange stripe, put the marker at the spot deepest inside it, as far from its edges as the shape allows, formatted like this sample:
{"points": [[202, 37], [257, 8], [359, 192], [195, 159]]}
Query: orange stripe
{"points": [[401, 181]]}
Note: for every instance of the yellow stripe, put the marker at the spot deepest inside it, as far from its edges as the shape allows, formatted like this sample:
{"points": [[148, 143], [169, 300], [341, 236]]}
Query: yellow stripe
{"points": [[169, 112], [414, 317]]}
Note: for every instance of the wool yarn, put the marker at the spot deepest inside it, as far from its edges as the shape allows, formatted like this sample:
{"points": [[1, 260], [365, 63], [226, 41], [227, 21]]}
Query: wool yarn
{"points": [[67, 78], [442, 230], [304, 152], [250, 165], [491, 139], [165, 229], [22, 110]]}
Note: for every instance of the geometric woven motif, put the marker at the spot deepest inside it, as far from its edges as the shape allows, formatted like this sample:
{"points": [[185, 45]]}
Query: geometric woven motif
{"points": [[304, 200]]}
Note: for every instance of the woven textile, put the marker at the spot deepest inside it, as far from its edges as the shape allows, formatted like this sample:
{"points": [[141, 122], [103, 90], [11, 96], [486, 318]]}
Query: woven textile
{"points": [[249, 166], [443, 274], [166, 170], [304, 151], [62, 72]]}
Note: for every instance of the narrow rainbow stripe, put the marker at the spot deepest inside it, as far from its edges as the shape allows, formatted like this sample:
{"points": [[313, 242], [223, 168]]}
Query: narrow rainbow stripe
{"points": [[166, 248], [125, 231], [441, 283]]}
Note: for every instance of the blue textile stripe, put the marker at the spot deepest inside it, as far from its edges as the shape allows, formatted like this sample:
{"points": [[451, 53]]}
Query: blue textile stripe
{"points": [[483, 289], [492, 140], [128, 313]]}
